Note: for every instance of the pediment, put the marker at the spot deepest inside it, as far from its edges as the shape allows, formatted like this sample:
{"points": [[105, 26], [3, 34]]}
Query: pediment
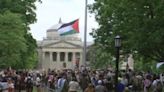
{"points": [[62, 44]]}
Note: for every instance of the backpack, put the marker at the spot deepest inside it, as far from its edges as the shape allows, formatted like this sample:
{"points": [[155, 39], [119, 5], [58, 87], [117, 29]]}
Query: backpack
{"points": [[159, 86], [29, 81]]}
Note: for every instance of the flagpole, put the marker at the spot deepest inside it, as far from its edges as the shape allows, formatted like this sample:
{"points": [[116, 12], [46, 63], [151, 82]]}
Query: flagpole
{"points": [[85, 34]]}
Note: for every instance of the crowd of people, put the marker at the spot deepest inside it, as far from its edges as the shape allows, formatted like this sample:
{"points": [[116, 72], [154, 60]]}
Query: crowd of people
{"points": [[80, 80], [18, 81], [104, 81]]}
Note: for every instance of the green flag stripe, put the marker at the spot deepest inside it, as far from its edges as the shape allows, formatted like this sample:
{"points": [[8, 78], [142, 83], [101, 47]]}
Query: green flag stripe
{"points": [[69, 32]]}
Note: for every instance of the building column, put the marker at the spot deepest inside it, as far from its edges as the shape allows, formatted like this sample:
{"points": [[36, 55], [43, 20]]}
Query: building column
{"points": [[50, 62], [66, 56], [73, 59], [58, 56], [43, 59], [81, 58], [50, 56], [46, 56]]}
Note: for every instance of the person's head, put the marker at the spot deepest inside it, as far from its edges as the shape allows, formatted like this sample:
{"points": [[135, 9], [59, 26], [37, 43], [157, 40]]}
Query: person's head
{"points": [[148, 77], [74, 79], [99, 82], [119, 79], [90, 85], [9, 80], [126, 89], [157, 77]]}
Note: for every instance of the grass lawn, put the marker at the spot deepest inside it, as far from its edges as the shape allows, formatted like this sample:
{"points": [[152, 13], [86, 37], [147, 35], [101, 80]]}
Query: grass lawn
{"points": [[34, 89]]}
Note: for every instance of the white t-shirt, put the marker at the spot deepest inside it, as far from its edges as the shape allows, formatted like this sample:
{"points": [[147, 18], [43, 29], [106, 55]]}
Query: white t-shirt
{"points": [[161, 78], [38, 81], [11, 85]]}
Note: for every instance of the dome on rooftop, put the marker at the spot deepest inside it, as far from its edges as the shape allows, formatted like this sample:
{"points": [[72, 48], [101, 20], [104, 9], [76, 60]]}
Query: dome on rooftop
{"points": [[56, 26]]}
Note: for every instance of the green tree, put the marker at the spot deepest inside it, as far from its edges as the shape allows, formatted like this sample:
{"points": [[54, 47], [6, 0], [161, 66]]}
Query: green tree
{"points": [[12, 41], [138, 22], [98, 58], [29, 58], [26, 11], [24, 7]]}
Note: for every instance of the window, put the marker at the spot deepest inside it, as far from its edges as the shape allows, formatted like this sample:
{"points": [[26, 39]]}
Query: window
{"points": [[62, 56], [64, 65], [87, 57], [54, 56], [47, 56], [77, 54], [70, 56]]}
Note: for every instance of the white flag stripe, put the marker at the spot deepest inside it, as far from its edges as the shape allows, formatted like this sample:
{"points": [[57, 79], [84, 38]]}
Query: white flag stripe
{"points": [[65, 29], [159, 64]]}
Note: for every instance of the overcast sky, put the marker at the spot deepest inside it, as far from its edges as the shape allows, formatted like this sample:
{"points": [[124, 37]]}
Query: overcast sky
{"points": [[49, 12]]}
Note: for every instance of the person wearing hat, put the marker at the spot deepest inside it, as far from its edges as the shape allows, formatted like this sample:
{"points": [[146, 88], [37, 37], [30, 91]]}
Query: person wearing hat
{"points": [[74, 85], [100, 87]]}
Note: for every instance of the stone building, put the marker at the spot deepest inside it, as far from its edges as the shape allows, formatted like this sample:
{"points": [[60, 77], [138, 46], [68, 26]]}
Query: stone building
{"points": [[58, 52]]}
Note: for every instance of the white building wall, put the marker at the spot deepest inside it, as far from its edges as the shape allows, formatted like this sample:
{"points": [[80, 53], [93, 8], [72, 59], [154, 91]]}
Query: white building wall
{"points": [[47, 61]]}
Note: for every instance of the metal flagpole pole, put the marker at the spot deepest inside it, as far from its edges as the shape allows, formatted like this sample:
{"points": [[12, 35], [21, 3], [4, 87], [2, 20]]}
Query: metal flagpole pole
{"points": [[85, 33]]}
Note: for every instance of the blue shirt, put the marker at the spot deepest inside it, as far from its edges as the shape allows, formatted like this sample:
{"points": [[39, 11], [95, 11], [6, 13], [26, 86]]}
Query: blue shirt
{"points": [[120, 87]]}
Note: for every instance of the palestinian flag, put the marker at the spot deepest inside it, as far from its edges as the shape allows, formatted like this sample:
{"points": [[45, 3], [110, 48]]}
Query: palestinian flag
{"points": [[69, 28], [159, 64]]}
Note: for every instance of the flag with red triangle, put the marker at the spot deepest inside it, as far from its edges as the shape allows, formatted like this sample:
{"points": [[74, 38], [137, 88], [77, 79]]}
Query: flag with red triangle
{"points": [[69, 28]]}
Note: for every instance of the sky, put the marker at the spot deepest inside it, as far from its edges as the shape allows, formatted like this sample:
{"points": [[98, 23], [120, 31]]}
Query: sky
{"points": [[50, 11]]}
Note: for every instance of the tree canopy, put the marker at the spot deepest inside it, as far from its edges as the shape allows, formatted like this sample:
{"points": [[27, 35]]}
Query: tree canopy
{"points": [[99, 58], [12, 40], [138, 22], [18, 47]]}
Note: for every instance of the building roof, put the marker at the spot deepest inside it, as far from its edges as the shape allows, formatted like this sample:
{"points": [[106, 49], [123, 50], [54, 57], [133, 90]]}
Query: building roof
{"points": [[56, 26], [76, 42], [53, 37]]}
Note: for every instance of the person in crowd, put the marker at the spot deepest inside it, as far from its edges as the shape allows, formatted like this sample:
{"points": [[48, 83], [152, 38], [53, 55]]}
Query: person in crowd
{"points": [[137, 83], [126, 89], [88, 80], [74, 85], [147, 83], [93, 78], [84, 81], [124, 80], [157, 85], [120, 86], [29, 83], [17, 82], [38, 83], [108, 83], [162, 78], [51, 81], [90, 88], [100, 87], [22, 82], [62, 84], [10, 85]]}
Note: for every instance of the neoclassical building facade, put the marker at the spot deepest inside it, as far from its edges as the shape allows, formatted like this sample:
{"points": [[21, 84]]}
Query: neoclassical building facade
{"points": [[64, 52], [58, 52]]}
